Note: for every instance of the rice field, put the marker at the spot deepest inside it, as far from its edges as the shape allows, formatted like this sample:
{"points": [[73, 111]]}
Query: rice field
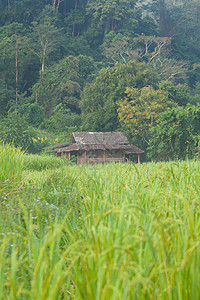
{"points": [[115, 231]]}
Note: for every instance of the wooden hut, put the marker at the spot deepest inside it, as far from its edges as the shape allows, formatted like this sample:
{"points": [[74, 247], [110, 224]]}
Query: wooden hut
{"points": [[98, 147]]}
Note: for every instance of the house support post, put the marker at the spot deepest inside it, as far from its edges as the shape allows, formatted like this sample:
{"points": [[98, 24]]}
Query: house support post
{"points": [[123, 156], [138, 159]]}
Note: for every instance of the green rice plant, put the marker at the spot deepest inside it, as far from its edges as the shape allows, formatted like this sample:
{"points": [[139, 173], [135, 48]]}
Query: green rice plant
{"points": [[36, 162], [34, 268], [11, 167], [140, 237], [34, 260], [115, 231]]}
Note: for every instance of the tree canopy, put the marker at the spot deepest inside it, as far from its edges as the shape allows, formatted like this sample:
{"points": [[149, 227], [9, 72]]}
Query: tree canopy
{"points": [[100, 65]]}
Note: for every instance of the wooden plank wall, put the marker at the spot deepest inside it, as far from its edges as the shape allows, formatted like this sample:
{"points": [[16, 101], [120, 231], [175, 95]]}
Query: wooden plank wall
{"points": [[101, 156]]}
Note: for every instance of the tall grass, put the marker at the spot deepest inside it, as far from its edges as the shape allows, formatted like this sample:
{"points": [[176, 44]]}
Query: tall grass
{"points": [[141, 237], [11, 166], [38, 162], [116, 231]]}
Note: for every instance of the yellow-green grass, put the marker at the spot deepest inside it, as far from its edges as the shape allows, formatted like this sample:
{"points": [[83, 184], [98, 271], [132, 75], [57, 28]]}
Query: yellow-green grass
{"points": [[115, 231], [36, 162], [11, 166]]}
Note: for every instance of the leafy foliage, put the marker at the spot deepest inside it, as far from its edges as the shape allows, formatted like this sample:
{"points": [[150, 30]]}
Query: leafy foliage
{"points": [[62, 120], [99, 99], [110, 15], [15, 130], [65, 65], [176, 136], [58, 85], [45, 40], [140, 110], [32, 112]]}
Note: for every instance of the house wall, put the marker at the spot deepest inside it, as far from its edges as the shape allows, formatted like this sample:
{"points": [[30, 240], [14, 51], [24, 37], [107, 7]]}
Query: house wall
{"points": [[100, 156], [115, 156], [81, 157], [66, 155]]}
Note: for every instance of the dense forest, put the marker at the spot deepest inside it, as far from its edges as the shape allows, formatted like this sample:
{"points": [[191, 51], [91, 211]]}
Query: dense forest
{"points": [[101, 65]]}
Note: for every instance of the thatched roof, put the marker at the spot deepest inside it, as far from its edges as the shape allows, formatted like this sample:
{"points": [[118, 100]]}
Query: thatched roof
{"points": [[57, 146], [97, 138], [76, 147], [99, 141]]}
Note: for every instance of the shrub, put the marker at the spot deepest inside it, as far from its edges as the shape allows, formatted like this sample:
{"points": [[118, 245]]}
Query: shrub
{"points": [[15, 130], [33, 113]]}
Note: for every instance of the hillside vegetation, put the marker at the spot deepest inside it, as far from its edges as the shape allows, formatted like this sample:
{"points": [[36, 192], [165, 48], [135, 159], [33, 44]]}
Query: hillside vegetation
{"points": [[101, 65], [115, 231]]}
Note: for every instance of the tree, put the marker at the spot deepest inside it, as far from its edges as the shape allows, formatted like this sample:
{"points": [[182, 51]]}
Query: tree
{"points": [[16, 130], [156, 52], [62, 120], [99, 99], [49, 16], [117, 48], [44, 40], [87, 69], [140, 110], [22, 11], [76, 17], [180, 21], [176, 136], [59, 84], [186, 31], [14, 56], [180, 93], [111, 14], [7, 97], [32, 112]]}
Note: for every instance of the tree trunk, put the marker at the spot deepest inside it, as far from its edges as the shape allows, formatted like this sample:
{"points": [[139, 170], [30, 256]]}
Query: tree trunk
{"points": [[43, 59], [113, 26], [164, 20], [36, 97], [16, 69], [75, 7], [8, 5], [54, 3], [65, 8], [59, 1], [43, 65]]}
